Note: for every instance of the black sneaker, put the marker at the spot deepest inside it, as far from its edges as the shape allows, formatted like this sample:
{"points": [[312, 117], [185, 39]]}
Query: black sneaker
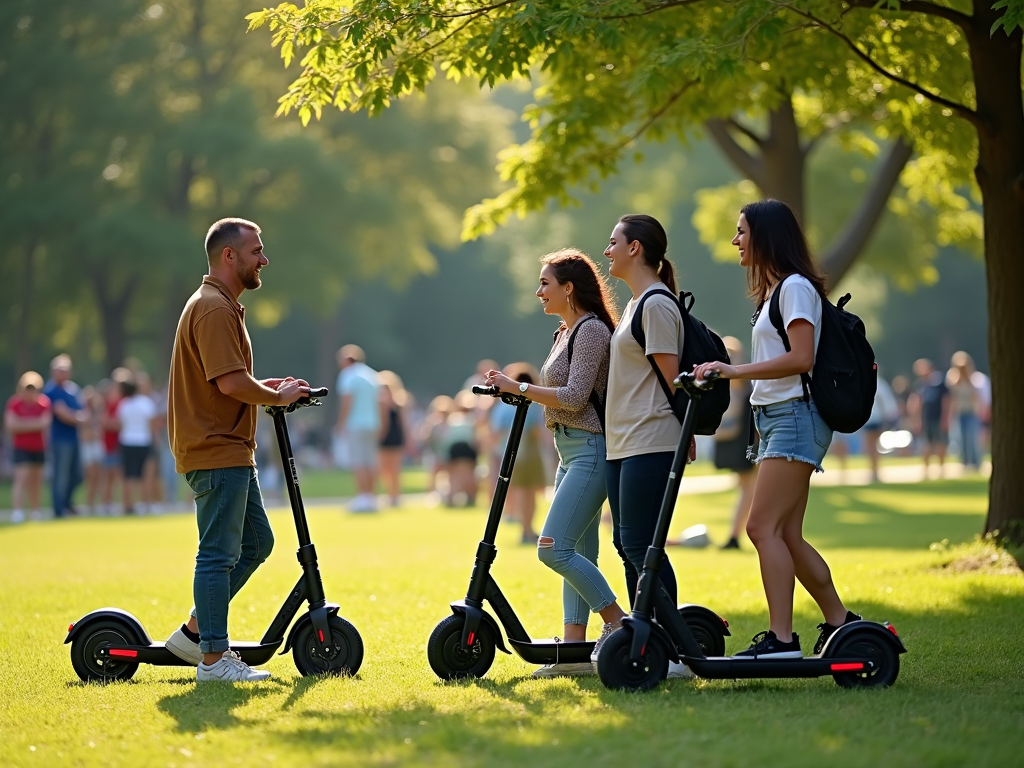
{"points": [[732, 543], [766, 645], [826, 631]]}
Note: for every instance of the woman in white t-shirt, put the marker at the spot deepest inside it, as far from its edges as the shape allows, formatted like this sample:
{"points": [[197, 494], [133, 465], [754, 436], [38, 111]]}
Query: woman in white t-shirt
{"points": [[794, 437], [641, 429], [135, 416]]}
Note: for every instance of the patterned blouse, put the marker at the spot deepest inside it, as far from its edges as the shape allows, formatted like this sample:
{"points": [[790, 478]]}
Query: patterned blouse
{"points": [[589, 371]]}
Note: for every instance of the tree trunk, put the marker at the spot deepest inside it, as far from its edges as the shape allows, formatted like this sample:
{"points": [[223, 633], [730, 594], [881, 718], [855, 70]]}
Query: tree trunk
{"points": [[785, 159], [113, 306], [996, 61], [23, 339]]}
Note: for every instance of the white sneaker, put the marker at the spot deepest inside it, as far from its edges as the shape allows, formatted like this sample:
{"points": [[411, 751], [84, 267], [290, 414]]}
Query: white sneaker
{"points": [[565, 670], [229, 668], [179, 644], [679, 670], [37, 515], [17, 516], [606, 631]]}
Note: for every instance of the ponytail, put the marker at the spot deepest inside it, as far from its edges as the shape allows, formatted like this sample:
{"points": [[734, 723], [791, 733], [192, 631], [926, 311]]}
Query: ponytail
{"points": [[648, 231]]}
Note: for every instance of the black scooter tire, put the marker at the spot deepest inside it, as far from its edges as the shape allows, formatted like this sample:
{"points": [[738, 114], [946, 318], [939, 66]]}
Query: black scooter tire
{"points": [[868, 645], [96, 636], [707, 633], [447, 657], [617, 670], [348, 644]]}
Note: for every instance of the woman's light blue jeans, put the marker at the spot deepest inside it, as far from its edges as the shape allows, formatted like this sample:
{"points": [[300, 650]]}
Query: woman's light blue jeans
{"points": [[569, 540]]}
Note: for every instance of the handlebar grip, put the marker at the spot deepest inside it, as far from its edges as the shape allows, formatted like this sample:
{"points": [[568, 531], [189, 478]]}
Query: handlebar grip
{"points": [[688, 378], [320, 392], [491, 391]]}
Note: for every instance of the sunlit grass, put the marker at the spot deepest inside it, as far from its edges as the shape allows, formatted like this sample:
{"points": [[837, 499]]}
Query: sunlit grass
{"points": [[957, 701]]}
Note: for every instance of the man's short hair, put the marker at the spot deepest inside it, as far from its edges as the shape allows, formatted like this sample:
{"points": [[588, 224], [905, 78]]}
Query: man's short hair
{"points": [[226, 233], [352, 352]]}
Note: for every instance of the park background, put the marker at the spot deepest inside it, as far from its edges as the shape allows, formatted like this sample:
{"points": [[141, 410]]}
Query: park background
{"points": [[126, 128]]}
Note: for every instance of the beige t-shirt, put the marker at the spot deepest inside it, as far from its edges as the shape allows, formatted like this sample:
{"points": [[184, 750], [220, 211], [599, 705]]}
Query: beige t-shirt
{"points": [[638, 418]]}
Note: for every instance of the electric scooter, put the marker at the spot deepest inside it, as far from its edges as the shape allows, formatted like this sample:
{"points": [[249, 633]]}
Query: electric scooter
{"points": [[463, 644], [109, 644], [861, 654]]}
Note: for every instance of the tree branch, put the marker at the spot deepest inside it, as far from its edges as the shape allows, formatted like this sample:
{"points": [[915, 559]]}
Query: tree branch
{"points": [[745, 131], [660, 7], [750, 166], [964, 111], [922, 6], [845, 249]]}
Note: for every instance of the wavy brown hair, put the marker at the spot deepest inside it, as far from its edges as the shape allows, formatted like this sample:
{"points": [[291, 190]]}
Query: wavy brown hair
{"points": [[590, 289], [778, 248]]}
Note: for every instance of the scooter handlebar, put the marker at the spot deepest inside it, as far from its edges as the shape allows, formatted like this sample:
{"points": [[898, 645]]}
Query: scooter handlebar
{"points": [[489, 391], [688, 381], [321, 392]]}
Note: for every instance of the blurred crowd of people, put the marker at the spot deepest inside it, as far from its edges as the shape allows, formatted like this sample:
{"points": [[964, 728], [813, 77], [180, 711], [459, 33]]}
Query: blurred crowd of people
{"points": [[110, 437]]}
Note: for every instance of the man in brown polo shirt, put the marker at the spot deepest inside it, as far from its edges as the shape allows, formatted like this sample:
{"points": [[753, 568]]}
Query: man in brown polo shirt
{"points": [[211, 423]]}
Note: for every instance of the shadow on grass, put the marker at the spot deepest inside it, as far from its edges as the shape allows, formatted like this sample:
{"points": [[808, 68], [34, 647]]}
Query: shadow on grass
{"points": [[894, 516], [211, 706]]}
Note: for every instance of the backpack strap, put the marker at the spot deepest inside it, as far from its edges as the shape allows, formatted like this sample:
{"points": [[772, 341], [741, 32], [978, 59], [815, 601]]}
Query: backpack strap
{"points": [[636, 327], [594, 398], [775, 316]]}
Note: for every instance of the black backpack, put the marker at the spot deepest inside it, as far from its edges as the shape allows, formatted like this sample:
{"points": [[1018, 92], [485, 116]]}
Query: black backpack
{"points": [[700, 345], [845, 376], [594, 399]]}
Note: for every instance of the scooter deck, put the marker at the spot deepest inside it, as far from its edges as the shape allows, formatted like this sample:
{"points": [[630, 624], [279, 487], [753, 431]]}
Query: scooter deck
{"points": [[731, 668], [159, 655], [552, 651]]}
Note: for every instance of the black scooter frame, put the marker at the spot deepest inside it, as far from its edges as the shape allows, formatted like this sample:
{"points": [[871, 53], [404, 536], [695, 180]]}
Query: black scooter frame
{"points": [[671, 632], [138, 648], [483, 587]]}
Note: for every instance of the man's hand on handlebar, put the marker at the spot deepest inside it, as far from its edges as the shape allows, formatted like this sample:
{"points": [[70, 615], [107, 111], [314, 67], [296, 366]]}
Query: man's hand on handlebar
{"points": [[276, 383], [291, 390]]}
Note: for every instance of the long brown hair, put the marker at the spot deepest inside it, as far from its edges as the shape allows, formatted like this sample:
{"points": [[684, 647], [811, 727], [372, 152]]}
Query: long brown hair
{"points": [[590, 289], [778, 248], [648, 231]]}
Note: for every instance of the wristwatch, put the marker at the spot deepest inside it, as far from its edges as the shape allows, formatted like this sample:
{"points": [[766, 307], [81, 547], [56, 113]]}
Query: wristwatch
{"points": [[523, 386]]}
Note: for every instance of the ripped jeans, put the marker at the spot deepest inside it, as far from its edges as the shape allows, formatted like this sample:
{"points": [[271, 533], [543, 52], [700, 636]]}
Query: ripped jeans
{"points": [[569, 540]]}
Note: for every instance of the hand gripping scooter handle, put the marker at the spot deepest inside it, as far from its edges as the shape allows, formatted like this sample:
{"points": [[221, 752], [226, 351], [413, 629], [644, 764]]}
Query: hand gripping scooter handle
{"points": [[694, 388], [304, 402]]}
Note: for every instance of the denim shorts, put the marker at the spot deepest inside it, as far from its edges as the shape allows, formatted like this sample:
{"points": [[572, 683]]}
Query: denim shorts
{"points": [[793, 430]]}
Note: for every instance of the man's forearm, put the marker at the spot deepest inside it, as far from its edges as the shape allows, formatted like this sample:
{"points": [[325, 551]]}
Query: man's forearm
{"points": [[248, 390]]}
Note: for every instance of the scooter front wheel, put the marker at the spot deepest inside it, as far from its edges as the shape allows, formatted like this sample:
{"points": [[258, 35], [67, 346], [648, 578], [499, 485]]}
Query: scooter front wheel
{"points": [[885, 661], [450, 660], [619, 672], [85, 648], [348, 650]]}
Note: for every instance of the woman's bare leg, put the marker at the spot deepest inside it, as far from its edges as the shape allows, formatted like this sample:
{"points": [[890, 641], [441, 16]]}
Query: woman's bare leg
{"points": [[747, 481], [781, 487], [811, 569]]}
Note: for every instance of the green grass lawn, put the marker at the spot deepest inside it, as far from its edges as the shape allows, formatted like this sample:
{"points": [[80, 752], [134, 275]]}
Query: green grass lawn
{"points": [[957, 701]]}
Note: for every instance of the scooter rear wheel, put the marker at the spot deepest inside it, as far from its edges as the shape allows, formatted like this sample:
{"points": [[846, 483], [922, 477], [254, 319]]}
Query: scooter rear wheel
{"points": [[348, 645], [867, 645], [620, 673], [88, 665], [708, 634], [450, 660]]}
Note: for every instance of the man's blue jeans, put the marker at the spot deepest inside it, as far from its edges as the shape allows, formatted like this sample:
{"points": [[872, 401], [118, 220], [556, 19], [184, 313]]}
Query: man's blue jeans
{"points": [[234, 539], [67, 474]]}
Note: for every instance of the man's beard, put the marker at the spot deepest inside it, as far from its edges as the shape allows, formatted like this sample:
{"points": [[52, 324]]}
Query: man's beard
{"points": [[250, 279]]}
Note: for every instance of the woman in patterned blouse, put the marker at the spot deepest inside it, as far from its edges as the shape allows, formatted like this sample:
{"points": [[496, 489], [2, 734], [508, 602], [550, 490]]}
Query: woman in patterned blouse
{"points": [[572, 392]]}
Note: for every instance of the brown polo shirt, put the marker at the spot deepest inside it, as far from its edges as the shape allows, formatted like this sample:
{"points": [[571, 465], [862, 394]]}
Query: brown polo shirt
{"points": [[208, 429]]}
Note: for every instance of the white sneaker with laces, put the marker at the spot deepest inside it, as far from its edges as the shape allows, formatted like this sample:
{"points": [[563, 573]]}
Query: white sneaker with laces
{"points": [[229, 668], [179, 644], [565, 669], [679, 670], [606, 632]]}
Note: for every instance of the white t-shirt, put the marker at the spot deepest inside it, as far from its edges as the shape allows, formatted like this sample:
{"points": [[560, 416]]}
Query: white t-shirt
{"points": [[798, 301], [135, 414], [638, 417]]}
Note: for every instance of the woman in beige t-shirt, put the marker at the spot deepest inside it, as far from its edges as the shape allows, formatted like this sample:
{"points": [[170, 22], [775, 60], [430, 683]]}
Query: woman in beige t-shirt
{"points": [[642, 430]]}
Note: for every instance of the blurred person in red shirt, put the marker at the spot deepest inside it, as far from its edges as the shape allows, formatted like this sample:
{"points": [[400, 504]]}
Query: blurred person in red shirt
{"points": [[27, 417]]}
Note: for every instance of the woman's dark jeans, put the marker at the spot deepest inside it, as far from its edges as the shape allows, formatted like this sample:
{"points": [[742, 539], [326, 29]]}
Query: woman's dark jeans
{"points": [[636, 487]]}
